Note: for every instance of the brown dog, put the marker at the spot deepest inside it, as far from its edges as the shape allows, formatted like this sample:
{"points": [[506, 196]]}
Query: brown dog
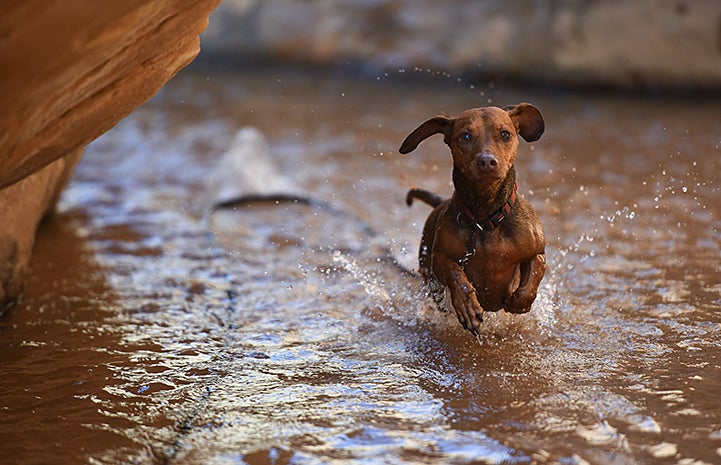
{"points": [[486, 242]]}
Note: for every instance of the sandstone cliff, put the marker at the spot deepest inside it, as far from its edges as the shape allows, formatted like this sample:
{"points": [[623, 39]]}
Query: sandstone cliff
{"points": [[71, 71]]}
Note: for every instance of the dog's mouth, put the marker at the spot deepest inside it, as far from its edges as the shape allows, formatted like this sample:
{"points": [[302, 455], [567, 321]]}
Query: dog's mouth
{"points": [[484, 180]]}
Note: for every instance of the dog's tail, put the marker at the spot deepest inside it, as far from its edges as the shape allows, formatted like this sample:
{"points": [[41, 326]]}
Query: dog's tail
{"points": [[426, 196]]}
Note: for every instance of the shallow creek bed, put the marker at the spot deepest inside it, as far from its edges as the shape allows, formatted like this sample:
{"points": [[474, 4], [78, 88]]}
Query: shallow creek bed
{"points": [[153, 332]]}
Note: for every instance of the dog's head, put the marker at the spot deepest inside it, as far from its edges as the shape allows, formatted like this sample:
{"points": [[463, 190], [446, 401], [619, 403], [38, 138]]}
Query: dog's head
{"points": [[483, 141]]}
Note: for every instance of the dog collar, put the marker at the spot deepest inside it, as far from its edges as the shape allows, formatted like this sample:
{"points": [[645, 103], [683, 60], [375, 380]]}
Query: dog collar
{"points": [[487, 224], [490, 222]]}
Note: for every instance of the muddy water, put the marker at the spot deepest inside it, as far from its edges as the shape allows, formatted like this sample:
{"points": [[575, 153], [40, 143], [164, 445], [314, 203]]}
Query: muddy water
{"points": [[280, 333]]}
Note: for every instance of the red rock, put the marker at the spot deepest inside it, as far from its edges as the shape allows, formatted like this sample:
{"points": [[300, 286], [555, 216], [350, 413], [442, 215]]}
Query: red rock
{"points": [[70, 72]]}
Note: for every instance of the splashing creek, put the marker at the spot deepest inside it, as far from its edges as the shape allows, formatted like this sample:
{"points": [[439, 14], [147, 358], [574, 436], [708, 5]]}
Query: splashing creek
{"points": [[155, 331]]}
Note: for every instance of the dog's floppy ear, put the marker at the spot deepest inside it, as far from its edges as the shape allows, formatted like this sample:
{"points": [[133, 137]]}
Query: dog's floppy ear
{"points": [[528, 121], [435, 125]]}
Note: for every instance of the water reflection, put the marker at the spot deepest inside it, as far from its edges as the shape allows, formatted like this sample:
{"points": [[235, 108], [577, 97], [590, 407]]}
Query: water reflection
{"points": [[58, 348], [282, 334]]}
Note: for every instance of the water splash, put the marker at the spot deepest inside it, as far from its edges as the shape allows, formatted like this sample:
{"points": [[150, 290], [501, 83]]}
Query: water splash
{"points": [[372, 286]]}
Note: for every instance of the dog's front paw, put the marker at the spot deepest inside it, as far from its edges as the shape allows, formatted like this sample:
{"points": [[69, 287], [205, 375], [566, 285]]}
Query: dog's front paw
{"points": [[519, 302], [468, 310]]}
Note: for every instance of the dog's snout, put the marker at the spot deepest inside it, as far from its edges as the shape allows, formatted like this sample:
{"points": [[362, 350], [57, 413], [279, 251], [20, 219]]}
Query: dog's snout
{"points": [[487, 162]]}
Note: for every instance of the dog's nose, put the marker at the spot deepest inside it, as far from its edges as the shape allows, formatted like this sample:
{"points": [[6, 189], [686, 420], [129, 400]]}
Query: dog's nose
{"points": [[487, 162]]}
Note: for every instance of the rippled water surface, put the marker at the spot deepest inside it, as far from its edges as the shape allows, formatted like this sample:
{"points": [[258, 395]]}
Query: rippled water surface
{"points": [[275, 333]]}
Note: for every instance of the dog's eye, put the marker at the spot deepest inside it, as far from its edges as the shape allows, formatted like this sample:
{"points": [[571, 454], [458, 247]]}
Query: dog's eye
{"points": [[505, 135], [465, 137]]}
